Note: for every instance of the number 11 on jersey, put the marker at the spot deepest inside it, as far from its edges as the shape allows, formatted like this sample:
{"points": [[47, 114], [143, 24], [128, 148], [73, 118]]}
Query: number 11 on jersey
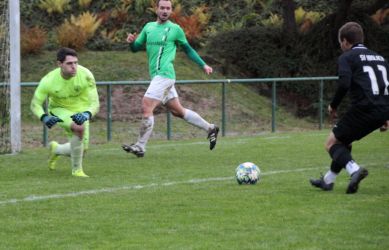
{"points": [[373, 78]]}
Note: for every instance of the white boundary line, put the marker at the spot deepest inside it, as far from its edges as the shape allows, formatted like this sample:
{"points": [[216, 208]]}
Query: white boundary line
{"points": [[33, 198]]}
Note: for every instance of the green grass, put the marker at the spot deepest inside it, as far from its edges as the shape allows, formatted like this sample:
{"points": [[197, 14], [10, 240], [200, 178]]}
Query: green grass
{"points": [[183, 196]]}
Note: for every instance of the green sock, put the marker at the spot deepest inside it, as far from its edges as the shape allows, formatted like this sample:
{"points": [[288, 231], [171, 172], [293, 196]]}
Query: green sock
{"points": [[76, 151]]}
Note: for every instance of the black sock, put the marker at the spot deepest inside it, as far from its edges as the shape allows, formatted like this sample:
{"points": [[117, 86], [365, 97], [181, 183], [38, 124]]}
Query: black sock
{"points": [[336, 168], [340, 154]]}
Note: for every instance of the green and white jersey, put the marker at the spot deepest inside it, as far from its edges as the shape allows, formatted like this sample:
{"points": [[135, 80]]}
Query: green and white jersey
{"points": [[161, 42], [77, 94]]}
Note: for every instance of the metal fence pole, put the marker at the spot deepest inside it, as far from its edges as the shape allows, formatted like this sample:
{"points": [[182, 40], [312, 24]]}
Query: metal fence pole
{"points": [[45, 130], [273, 107], [321, 104], [45, 136], [109, 112], [224, 92], [168, 125]]}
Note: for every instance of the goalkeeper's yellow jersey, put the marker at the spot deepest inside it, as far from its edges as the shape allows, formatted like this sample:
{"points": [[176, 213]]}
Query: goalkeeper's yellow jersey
{"points": [[77, 94]]}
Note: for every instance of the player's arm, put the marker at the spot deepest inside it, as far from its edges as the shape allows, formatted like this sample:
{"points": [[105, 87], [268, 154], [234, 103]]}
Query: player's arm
{"points": [[93, 101], [36, 106], [344, 82], [136, 41], [191, 53], [93, 96], [38, 99]]}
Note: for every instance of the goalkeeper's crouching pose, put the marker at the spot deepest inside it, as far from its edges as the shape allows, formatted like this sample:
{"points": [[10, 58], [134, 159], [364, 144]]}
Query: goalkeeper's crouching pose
{"points": [[73, 100]]}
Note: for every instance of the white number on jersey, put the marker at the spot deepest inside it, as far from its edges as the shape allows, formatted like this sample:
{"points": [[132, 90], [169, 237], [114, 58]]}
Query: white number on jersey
{"points": [[373, 78]]}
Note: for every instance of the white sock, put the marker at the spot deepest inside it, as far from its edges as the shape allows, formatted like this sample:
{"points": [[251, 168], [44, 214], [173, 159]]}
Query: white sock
{"points": [[76, 149], [352, 167], [330, 177], [63, 149], [146, 129], [196, 120]]}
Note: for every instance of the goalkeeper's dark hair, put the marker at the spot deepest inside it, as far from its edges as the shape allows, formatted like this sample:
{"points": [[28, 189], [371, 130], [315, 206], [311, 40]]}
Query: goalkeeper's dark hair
{"points": [[63, 52], [352, 32]]}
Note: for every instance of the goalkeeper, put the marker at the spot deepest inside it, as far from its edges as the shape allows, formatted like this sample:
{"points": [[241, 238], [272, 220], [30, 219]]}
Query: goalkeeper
{"points": [[73, 100]]}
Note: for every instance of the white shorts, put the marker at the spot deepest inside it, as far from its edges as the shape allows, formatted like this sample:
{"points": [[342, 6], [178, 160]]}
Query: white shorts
{"points": [[161, 89]]}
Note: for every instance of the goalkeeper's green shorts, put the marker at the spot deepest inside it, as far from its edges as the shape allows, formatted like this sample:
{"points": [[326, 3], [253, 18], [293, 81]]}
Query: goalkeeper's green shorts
{"points": [[65, 115]]}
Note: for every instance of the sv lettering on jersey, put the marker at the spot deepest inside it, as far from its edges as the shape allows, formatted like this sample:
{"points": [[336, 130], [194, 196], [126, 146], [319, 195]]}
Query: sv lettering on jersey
{"points": [[371, 58]]}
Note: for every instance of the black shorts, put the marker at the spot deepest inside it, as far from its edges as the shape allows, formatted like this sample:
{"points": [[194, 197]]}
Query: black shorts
{"points": [[358, 122]]}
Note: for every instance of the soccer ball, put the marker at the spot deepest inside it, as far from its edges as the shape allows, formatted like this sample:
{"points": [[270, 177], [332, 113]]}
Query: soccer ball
{"points": [[247, 173]]}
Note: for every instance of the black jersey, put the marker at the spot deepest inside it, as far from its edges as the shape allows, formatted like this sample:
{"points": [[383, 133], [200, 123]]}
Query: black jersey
{"points": [[365, 74]]}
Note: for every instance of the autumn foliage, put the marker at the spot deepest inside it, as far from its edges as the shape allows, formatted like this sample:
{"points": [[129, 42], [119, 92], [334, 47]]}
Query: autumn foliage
{"points": [[74, 33], [32, 39], [194, 24]]}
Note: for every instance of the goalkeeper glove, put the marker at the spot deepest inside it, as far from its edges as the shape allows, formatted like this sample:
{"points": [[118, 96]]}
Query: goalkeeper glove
{"points": [[50, 120], [80, 118]]}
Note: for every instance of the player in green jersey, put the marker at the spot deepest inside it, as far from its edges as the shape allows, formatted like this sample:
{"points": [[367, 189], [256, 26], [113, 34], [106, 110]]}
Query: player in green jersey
{"points": [[73, 100], [162, 38]]}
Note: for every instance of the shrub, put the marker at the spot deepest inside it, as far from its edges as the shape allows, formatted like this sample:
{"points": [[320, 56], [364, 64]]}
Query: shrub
{"points": [[52, 6], [32, 39], [84, 3], [87, 22], [76, 32], [71, 35], [142, 5], [273, 20], [306, 19], [193, 25], [256, 51]]}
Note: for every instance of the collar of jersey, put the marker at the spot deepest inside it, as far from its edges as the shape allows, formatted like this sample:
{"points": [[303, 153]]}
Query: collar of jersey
{"points": [[165, 23], [358, 46]]}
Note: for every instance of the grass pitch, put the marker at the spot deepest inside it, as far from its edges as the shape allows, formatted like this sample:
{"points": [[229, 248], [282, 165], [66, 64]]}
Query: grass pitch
{"points": [[183, 196]]}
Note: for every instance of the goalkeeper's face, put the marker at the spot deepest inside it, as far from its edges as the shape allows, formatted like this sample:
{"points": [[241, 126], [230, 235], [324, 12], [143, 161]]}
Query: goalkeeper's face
{"points": [[68, 67]]}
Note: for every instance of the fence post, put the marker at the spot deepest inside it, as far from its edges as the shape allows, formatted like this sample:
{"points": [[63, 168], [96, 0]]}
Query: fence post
{"points": [[45, 130], [224, 91], [168, 125], [321, 104], [45, 135], [109, 112], [273, 107]]}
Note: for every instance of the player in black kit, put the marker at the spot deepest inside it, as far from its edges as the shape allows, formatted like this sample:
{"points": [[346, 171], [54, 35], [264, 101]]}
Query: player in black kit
{"points": [[364, 74]]}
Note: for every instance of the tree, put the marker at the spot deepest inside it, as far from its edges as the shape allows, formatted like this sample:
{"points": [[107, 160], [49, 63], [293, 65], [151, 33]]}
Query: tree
{"points": [[340, 18], [289, 26]]}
